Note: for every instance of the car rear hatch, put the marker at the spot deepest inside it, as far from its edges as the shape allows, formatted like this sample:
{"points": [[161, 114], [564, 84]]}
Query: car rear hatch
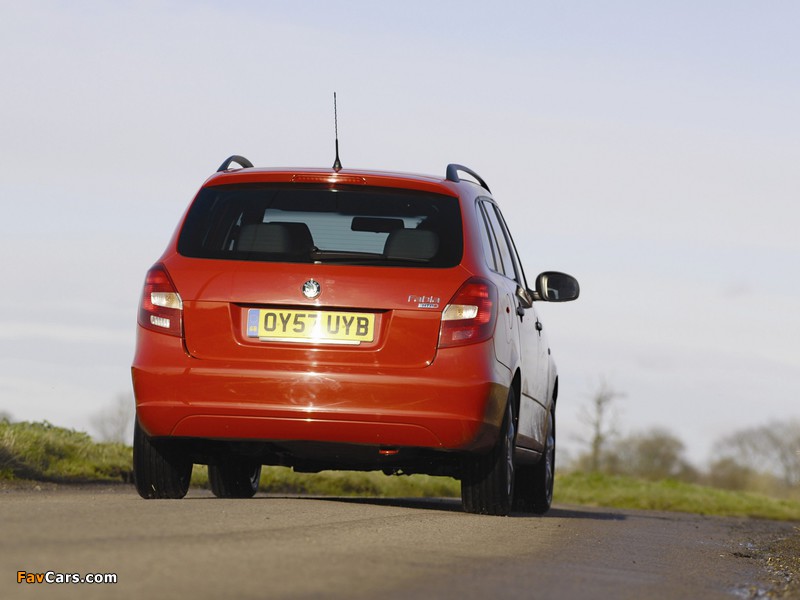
{"points": [[319, 276]]}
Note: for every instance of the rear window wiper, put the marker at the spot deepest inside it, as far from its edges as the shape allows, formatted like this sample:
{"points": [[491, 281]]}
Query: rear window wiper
{"points": [[363, 258], [341, 255]]}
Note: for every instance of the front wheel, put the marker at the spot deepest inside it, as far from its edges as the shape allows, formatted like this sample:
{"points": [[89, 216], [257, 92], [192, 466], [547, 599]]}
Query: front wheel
{"points": [[234, 479], [487, 481], [160, 468]]}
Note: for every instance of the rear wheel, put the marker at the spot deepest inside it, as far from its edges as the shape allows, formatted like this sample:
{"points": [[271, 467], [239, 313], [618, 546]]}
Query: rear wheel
{"points": [[534, 485], [234, 479], [160, 468], [487, 481]]}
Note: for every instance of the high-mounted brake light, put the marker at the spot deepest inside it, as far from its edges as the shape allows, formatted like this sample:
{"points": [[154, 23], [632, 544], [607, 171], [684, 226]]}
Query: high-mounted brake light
{"points": [[161, 307], [470, 316], [332, 178]]}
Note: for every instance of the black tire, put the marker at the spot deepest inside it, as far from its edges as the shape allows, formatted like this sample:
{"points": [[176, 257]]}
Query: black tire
{"points": [[234, 479], [487, 481], [160, 469], [534, 485]]}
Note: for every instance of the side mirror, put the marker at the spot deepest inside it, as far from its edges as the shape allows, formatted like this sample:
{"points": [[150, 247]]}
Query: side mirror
{"points": [[552, 286]]}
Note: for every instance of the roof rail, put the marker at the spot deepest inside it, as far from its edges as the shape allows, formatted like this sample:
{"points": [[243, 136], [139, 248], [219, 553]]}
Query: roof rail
{"points": [[241, 160], [452, 175]]}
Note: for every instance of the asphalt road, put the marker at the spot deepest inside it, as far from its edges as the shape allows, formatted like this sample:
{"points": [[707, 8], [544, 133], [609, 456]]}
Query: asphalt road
{"points": [[288, 547]]}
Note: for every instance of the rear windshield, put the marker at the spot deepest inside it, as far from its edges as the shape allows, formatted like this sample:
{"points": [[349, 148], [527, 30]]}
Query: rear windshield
{"points": [[356, 226]]}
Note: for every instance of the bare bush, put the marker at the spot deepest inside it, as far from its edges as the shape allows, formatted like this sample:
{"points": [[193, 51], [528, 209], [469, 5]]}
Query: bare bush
{"points": [[655, 454], [115, 422], [771, 449], [728, 474]]}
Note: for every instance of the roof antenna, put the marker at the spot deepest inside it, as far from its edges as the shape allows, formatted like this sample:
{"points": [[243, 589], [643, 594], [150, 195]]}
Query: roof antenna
{"points": [[337, 164]]}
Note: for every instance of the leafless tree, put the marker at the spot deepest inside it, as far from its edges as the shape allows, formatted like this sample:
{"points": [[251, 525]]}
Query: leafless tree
{"points": [[114, 423], [773, 448], [600, 418]]}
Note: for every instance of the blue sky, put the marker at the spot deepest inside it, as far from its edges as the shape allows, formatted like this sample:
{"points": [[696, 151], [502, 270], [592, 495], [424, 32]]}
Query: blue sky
{"points": [[649, 148]]}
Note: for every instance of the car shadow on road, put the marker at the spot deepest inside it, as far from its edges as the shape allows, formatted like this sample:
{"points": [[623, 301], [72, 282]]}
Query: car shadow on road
{"points": [[594, 514], [454, 505], [441, 504]]}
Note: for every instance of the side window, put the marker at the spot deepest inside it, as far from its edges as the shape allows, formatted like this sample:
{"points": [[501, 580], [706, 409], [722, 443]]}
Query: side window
{"points": [[502, 242], [490, 251], [513, 248]]}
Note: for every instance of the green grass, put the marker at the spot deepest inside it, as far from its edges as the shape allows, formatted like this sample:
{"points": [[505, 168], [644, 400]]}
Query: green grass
{"points": [[668, 495], [43, 452]]}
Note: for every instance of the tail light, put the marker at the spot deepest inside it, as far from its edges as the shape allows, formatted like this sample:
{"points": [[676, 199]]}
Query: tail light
{"points": [[470, 316], [161, 307]]}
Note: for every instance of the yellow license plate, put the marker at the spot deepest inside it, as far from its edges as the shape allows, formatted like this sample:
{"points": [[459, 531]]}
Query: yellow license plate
{"points": [[310, 326]]}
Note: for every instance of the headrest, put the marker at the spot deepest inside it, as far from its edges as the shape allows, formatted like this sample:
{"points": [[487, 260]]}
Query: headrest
{"points": [[411, 244], [291, 239]]}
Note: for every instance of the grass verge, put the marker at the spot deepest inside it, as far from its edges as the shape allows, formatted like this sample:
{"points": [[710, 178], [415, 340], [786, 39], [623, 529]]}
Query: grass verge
{"points": [[43, 452], [668, 495]]}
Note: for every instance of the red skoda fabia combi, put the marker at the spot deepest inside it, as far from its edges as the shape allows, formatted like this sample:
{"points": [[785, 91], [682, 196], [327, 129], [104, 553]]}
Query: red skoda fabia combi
{"points": [[342, 319]]}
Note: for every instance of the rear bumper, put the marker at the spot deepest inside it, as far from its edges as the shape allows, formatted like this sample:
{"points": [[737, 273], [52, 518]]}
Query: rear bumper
{"points": [[456, 403]]}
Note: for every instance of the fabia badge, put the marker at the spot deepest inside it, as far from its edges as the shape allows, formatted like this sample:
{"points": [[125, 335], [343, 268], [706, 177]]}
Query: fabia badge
{"points": [[311, 289], [424, 301]]}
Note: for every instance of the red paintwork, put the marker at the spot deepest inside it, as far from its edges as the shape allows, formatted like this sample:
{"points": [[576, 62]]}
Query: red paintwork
{"points": [[398, 391], [443, 406]]}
